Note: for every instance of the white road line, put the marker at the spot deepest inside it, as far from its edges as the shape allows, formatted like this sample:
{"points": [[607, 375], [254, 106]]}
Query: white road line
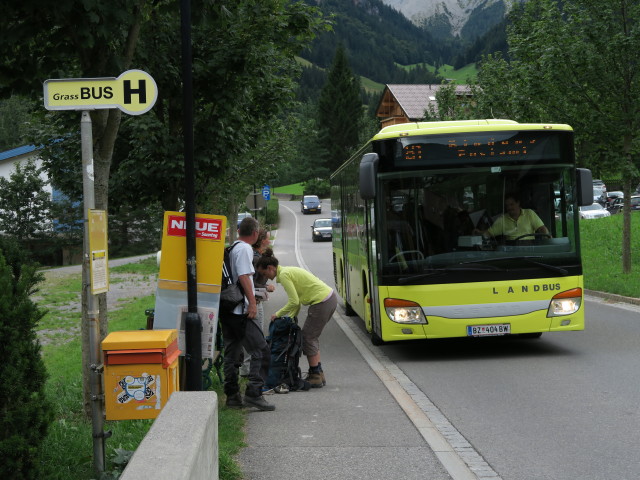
{"points": [[455, 453]]}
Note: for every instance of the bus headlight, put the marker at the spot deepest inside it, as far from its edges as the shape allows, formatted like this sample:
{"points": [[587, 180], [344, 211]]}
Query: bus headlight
{"points": [[404, 311], [565, 303]]}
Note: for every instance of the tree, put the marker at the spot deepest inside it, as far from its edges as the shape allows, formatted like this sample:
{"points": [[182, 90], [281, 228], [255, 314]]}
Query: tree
{"points": [[25, 412], [244, 71], [243, 58], [447, 105], [24, 204], [14, 122], [577, 62], [340, 113]]}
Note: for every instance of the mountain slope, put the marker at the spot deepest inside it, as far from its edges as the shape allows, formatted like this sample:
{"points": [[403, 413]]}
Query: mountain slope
{"points": [[460, 18], [376, 39]]}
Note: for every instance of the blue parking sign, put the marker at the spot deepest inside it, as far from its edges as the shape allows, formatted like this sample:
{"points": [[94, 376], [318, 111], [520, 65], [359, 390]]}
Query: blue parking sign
{"points": [[266, 192]]}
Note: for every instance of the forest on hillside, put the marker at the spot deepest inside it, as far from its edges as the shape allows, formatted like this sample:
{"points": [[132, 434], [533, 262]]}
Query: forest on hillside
{"points": [[379, 42]]}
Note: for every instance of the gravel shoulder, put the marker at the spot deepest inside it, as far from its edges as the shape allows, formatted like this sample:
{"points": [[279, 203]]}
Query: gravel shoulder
{"points": [[123, 287]]}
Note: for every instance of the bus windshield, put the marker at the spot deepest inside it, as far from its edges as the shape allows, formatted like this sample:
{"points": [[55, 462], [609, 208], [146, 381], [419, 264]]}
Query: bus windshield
{"points": [[458, 222]]}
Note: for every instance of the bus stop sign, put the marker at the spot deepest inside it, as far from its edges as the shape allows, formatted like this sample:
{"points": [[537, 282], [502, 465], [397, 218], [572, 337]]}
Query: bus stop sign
{"points": [[134, 92]]}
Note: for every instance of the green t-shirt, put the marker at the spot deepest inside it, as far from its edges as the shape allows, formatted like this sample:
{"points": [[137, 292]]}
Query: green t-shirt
{"points": [[528, 222], [302, 287]]}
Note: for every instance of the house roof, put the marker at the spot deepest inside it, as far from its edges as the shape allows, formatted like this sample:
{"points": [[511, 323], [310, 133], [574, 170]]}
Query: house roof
{"points": [[414, 99], [16, 152]]}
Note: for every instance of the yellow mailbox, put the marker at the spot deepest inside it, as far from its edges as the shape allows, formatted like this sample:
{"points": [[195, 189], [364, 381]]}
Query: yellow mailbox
{"points": [[140, 372]]}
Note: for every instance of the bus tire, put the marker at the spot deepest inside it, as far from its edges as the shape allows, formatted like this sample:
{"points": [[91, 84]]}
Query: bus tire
{"points": [[376, 340], [348, 310]]}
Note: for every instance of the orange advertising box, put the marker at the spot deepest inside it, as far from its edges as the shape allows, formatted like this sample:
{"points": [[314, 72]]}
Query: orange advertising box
{"points": [[140, 372]]}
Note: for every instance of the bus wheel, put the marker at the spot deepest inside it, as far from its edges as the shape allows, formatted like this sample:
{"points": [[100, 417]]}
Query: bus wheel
{"points": [[530, 335], [376, 340], [348, 310]]}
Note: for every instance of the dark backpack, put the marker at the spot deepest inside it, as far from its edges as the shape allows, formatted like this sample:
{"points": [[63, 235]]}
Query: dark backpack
{"points": [[231, 294], [285, 341]]}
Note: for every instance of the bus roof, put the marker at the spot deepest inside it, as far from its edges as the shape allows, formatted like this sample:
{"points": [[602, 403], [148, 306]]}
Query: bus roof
{"points": [[454, 126]]}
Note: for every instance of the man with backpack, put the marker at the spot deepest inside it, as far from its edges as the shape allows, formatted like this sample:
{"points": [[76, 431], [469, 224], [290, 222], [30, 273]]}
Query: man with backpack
{"points": [[239, 327]]}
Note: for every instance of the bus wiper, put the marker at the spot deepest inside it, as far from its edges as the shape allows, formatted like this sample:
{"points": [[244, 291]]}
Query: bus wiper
{"points": [[434, 272], [528, 259], [441, 271], [553, 268]]}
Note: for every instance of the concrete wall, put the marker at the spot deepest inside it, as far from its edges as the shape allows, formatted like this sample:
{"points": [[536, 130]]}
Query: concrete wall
{"points": [[182, 443]]}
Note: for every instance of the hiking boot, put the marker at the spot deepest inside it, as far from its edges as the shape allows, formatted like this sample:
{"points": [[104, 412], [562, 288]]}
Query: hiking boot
{"points": [[235, 401], [268, 391], [259, 402], [324, 381], [282, 388], [315, 379]]}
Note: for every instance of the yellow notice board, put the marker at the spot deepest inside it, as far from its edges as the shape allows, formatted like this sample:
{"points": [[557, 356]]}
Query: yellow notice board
{"points": [[98, 253], [171, 295], [209, 250]]}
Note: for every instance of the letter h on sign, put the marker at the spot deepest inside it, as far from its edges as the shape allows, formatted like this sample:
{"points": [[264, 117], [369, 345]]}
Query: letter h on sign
{"points": [[141, 91]]}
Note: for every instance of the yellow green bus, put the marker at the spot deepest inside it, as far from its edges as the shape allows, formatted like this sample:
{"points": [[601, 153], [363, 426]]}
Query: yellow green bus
{"points": [[461, 229]]}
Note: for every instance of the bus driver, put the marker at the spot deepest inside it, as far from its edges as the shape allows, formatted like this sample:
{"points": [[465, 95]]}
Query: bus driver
{"points": [[516, 222]]}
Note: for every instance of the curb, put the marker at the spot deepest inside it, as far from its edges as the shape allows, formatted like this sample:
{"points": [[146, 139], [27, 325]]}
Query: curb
{"points": [[612, 297]]}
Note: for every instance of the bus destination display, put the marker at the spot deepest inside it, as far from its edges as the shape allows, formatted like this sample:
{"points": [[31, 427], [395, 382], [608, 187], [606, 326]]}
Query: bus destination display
{"points": [[476, 148]]}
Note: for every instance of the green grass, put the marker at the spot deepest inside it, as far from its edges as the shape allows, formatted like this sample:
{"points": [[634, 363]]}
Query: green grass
{"points": [[460, 77], [602, 255], [370, 86], [67, 449], [293, 189]]}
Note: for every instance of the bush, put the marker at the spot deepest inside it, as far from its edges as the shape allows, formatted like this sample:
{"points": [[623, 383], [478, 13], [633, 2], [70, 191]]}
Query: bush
{"points": [[25, 412], [317, 187], [272, 212]]}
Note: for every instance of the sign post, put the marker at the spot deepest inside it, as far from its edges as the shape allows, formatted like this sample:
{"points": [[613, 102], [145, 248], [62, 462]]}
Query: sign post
{"points": [[266, 194], [134, 92]]}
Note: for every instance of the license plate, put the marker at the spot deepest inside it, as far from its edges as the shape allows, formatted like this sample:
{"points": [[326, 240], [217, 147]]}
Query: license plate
{"points": [[488, 330]]}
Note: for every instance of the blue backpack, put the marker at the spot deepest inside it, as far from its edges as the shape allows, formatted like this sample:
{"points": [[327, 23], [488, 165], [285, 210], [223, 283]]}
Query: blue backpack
{"points": [[285, 341]]}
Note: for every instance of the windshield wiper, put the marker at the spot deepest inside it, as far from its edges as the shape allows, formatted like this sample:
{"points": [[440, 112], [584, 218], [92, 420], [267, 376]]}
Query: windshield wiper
{"points": [[528, 259], [553, 268], [441, 271]]}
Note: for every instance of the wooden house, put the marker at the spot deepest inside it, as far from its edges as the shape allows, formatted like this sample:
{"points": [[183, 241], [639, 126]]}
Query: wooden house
{"points": [[402, 103]]}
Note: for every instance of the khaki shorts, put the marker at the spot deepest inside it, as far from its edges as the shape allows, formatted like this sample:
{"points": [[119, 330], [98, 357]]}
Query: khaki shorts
{"points": [[318, 316]]}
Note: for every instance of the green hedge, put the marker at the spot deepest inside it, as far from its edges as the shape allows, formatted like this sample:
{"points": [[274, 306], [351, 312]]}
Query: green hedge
{"points": [[25, 413]]}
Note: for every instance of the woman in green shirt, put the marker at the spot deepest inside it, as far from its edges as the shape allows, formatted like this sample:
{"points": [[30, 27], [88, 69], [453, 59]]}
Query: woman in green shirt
{"points": [[303, 288]]}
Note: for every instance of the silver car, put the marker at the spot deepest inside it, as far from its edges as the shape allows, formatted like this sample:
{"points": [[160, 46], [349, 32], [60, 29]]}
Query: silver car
{"points": [[593, 211], [321, 229]]}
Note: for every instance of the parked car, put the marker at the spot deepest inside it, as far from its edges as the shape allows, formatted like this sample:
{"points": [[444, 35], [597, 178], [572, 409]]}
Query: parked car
{"points": [[608, 197], [593, 211], [599, 194], [635, 202], [310, 204], [242, 216], [615, 205], [321, 229], [599, 183]]}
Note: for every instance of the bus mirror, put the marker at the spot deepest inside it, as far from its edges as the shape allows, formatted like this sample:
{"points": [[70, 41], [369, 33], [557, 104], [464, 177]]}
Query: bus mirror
{"points": [[585, 186], [368, 171]]}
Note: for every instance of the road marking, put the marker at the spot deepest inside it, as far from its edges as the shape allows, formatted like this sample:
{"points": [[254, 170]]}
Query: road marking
{"points": [[455, 453]]}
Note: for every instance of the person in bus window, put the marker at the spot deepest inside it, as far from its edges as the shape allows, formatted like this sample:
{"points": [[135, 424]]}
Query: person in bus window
{"points": [[303, 288], [516, 222]]}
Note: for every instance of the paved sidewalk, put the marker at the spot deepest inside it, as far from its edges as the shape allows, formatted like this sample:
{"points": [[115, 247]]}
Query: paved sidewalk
{"points": [[352, 428]]}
